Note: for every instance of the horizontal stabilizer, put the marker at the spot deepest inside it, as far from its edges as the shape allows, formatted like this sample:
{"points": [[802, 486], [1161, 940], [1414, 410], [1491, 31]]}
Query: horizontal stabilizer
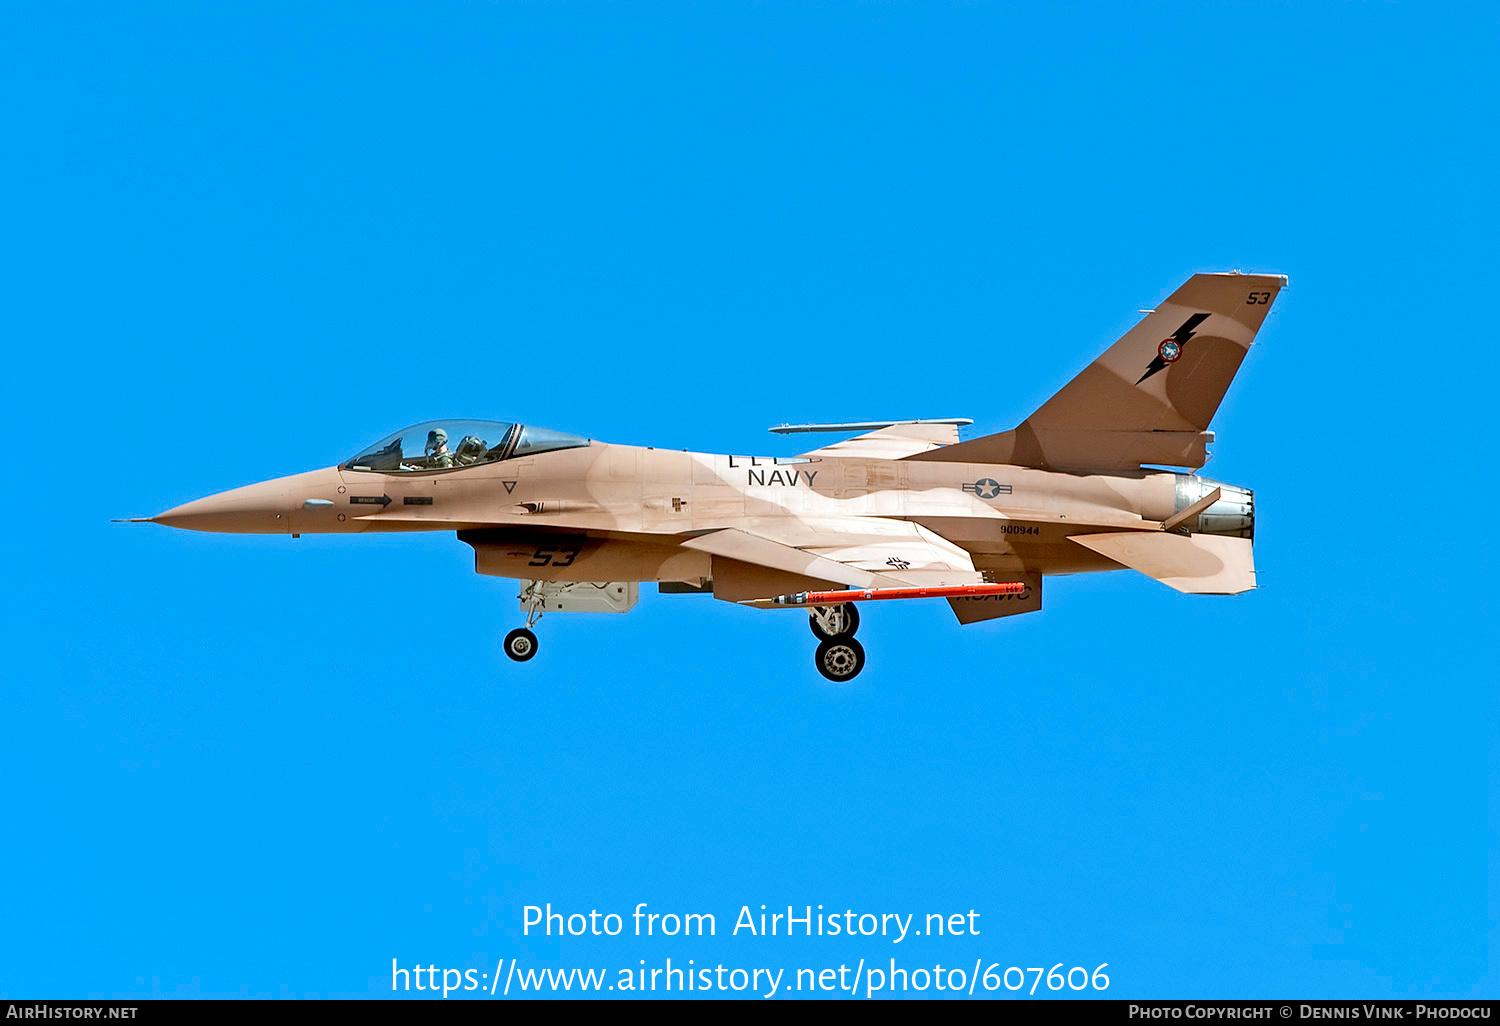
{"points": [[1199, 564]]}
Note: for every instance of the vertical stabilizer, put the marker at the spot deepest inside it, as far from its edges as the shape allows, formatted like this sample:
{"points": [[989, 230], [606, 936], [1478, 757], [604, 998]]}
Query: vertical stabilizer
{"points": [[1150, 397]]}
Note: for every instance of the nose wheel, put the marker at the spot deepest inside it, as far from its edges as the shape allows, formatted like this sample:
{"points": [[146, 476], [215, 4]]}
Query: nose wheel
{"points": [[520, 644], [839, 657]]}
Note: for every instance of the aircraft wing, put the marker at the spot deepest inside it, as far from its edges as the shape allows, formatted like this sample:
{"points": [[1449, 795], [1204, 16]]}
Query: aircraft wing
{"points": [[892, 443], [860, 552]]}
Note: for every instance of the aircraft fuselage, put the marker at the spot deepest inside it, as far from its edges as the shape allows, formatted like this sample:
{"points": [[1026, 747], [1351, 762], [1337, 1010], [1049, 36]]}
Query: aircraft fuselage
{"points": [[644, 501]]}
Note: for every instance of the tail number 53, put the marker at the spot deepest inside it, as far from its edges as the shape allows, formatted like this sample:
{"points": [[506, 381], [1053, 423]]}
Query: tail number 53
{"points": [[563, 556]]}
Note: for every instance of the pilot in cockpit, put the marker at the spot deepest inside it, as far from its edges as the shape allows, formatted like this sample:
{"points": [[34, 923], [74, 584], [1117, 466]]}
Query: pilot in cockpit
{"points": [[435, 454], [436, 450]]}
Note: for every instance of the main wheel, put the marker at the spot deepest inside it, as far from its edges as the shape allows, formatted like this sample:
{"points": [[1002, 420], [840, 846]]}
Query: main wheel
{"points": [[840, 659], [520, 644], [846, 617]]}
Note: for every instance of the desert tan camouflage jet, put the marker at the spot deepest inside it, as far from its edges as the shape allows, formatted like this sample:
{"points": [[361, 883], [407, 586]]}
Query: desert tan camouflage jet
{"points": [[905, 510]]}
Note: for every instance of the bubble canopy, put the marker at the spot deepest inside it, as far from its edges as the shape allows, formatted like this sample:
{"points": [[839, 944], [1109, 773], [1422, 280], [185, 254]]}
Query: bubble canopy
{"points": [[456, 444]]}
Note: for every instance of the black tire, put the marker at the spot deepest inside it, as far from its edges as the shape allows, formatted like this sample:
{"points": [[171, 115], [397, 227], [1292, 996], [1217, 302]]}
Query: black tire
{"points": [[520, 644], [851, 623], [840, 659]]}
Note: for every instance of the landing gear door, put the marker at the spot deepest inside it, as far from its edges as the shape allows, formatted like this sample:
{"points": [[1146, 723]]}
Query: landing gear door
{"points": [[579, 596]]}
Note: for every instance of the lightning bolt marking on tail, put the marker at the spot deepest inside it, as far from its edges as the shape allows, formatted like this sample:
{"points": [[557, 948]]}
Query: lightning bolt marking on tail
{"points": [[1180, 336]]}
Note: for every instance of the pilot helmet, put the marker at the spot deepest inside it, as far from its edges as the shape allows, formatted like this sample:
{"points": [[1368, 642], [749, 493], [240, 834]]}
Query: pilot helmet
{"points": [[436, 439]]}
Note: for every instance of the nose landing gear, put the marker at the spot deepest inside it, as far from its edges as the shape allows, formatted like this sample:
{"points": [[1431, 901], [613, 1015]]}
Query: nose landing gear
{"points": [[521, 643], [839, 657]]}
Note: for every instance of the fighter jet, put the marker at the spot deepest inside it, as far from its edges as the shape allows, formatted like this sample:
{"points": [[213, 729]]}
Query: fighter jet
{"points": [[1099, 478]]}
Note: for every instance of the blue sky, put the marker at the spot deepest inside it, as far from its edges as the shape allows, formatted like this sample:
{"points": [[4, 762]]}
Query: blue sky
{"points": [[245, 240]]}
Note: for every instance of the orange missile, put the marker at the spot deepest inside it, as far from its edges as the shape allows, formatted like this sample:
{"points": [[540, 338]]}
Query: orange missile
{"points": [[834, 598]]}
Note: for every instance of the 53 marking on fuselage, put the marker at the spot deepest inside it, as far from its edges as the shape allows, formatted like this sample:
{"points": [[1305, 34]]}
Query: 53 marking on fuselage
{"points": [[559, 555]]}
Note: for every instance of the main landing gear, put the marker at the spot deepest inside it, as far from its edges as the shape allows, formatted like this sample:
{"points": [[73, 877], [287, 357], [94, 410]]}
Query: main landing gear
{"points": [[839, 657], [521, 643]]}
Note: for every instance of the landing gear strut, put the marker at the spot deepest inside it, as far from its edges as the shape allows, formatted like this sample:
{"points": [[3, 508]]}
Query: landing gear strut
{"points": [[521, 643], [833, 621], [839, 657]]}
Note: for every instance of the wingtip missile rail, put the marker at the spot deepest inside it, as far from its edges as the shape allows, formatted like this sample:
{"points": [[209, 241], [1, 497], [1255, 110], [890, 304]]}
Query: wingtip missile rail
{"points": [[862, 425]]}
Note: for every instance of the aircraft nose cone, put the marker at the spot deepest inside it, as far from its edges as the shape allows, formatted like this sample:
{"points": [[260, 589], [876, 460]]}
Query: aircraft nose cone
{"points": [[255, 509]]}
